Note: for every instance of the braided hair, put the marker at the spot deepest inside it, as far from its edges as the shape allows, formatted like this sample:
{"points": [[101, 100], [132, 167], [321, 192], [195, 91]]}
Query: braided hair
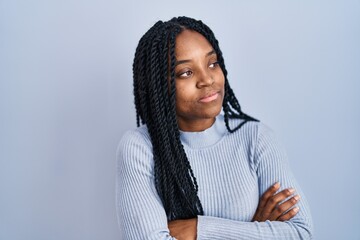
{"points": [[154, 65]]}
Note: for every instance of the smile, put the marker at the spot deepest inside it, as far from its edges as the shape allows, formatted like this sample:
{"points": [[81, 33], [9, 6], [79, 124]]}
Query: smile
{"points": [[209, 98]]}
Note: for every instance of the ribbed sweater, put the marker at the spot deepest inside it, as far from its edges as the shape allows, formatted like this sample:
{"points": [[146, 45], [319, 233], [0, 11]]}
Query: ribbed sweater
{"points": [[233, 170]]}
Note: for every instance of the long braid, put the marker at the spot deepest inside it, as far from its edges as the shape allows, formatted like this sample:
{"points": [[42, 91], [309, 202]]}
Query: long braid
{"points": [[186, 169], [155, 91]]}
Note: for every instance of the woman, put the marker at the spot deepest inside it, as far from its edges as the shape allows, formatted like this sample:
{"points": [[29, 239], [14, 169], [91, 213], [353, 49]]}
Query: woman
{"points": [[190, 172]]}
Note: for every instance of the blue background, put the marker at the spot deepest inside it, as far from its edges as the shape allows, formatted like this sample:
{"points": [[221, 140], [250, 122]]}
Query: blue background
{"points": [[66, 99]]}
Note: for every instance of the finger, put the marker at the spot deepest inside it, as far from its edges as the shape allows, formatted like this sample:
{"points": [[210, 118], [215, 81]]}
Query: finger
{"points": [[283, 207], [274, 201], [172, 225], [290, 214], [268, 193], [263, 200]]}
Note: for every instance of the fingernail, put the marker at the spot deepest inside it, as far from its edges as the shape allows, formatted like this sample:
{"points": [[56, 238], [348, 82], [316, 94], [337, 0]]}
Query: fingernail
{"points": [[295, 209], [277, 184], [297, 197], [291, 190]]}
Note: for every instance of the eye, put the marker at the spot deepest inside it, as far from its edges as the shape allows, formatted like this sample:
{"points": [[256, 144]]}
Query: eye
{"points": [[214, 64], [185, 74]]}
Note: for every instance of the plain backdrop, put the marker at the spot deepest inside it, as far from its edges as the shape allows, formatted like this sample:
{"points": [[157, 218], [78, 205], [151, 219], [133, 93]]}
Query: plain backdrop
{"points": [[66, 99]]}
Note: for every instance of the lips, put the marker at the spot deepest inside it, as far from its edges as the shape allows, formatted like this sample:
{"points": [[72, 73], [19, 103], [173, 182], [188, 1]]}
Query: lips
{"points": [[209, 97]]}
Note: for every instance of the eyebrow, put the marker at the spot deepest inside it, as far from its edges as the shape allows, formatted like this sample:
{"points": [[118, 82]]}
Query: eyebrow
{"points": [[188, 60]]}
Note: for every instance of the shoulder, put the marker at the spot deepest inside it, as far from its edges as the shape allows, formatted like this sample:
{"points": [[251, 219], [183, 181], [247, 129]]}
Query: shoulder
{"points": [[257, 138], [135, 147], [252, 131], [266, 148], [139, 135]]}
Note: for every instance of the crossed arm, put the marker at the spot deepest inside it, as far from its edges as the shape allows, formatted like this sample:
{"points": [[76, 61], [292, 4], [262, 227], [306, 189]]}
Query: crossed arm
{"points": [[272, 206], [141, 214]]}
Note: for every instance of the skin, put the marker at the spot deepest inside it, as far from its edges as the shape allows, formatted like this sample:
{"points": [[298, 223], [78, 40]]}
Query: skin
{"points": [[269, 207], [197, 75], [199, 96]]}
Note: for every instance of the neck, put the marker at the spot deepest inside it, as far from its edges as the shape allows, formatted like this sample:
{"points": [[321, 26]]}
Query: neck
{"points": [[195, 125], [206, 138]]}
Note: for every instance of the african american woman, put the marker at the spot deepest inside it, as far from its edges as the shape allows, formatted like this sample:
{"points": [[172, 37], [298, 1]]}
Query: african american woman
{"points": [[197, 167]]}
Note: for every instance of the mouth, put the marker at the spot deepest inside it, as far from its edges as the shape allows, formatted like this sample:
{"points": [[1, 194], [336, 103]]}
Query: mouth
{"points": [[209, 97]]}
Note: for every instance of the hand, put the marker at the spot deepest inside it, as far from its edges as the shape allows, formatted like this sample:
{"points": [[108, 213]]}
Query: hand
{"points": [[270, 209], [183, 229]]}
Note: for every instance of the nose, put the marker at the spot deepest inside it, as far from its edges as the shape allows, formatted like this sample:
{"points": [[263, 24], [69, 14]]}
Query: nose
{"points": [[205, 79]]}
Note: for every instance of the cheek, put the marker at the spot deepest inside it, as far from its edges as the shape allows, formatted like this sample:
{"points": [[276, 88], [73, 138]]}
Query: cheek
{"points": [[184, 91], [182, 95], [184, 98], [221, 77], [221, 83]]}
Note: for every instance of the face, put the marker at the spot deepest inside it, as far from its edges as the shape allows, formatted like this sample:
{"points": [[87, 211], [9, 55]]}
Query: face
{"points": [[199, 82]]}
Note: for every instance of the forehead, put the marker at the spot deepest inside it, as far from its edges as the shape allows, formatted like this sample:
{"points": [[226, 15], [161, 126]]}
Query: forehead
{"points": [[189, 43]]}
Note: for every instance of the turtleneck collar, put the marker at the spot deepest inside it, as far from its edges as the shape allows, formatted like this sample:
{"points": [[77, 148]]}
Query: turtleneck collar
{"points": [[205, 138]]}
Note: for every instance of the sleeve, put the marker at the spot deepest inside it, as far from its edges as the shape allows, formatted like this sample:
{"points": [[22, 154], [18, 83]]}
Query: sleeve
{"points": [[271, 165], [139, 209]]}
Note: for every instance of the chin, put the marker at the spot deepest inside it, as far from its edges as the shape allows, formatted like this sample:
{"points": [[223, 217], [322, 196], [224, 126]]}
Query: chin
{"points": [[212, 113]]}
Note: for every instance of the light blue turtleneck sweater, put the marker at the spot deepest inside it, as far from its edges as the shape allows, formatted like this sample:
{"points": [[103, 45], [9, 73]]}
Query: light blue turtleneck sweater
{"points": [[233, 170]]}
